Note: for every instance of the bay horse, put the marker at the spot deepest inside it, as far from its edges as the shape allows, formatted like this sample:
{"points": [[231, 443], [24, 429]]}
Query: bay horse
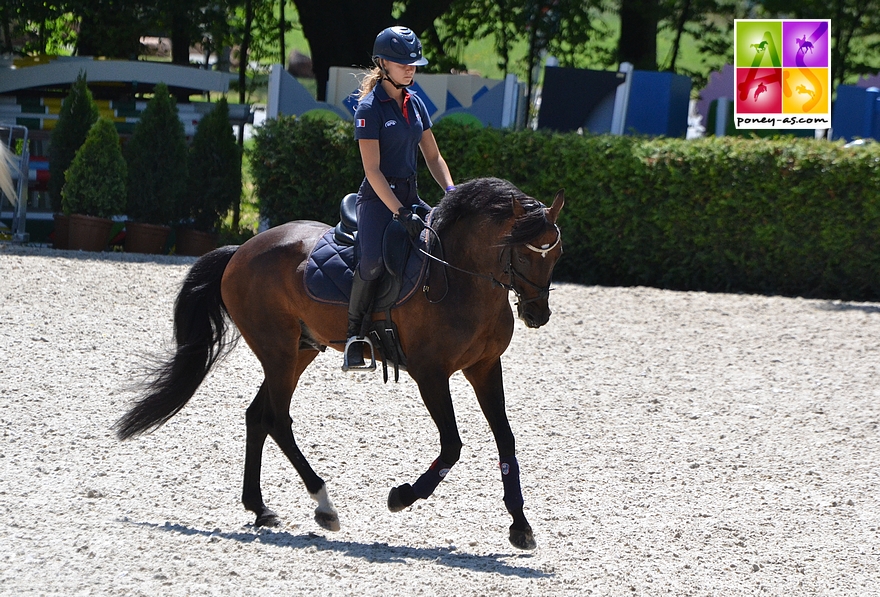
{"points": [[495, 239]]}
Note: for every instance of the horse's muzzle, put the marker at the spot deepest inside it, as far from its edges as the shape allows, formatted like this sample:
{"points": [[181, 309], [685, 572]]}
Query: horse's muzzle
{"points": [[533, 316]]}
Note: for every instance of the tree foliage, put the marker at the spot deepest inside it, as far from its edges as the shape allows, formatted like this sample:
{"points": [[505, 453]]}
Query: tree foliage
{"points": [[570, 30]]}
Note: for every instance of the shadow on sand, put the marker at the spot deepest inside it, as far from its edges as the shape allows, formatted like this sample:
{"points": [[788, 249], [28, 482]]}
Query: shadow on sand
{"points": [[843, 306], [380, 553]]}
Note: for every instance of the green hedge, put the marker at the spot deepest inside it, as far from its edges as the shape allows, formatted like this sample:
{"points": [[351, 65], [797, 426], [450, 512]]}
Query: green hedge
{"points": [[301, 168], [788, 216]]}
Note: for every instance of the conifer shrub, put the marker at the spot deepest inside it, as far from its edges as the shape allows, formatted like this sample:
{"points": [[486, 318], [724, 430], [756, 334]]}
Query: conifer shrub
{"points": [[96, 179], [156, 155], [78, 114], [214, 169]]}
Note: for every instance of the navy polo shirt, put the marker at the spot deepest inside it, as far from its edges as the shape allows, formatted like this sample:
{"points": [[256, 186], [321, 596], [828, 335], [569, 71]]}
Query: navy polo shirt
{"points": [[398, 131]]}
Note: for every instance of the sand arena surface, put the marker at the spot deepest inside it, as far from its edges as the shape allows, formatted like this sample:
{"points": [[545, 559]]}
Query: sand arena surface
{"points": [[671, 443]]}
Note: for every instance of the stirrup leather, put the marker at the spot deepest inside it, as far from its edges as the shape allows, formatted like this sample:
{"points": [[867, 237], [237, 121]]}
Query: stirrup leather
{"points": [[365, 367]]}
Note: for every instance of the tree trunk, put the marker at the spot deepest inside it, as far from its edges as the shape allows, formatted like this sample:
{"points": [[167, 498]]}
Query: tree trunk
{"points": [[242, 90], [282, 26], [679, 30], [638, 33], [341, 33], [180, 39]]}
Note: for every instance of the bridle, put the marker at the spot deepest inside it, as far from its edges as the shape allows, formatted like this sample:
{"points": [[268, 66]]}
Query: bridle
{"points": [[543, 291], [509, 270]]}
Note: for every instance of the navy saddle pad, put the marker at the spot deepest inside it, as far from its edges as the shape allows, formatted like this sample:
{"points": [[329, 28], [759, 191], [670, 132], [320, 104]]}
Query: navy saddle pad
{"points": [[330, 269]]}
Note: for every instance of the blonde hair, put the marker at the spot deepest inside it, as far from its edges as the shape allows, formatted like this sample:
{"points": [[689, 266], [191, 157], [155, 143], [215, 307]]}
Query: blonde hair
{"points": [[7, 166], [368, 83]]}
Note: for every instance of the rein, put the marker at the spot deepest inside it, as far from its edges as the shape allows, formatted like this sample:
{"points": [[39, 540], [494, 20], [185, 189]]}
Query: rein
{"points": [[509, 270]]}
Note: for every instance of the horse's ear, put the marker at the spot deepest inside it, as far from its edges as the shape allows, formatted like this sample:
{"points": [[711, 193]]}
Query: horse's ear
{"points": [[518, 209], [558, 202]]}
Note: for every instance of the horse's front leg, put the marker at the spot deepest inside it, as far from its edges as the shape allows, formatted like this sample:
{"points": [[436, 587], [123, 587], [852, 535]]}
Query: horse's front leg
{"points": [[488, 385], [435, 394]]}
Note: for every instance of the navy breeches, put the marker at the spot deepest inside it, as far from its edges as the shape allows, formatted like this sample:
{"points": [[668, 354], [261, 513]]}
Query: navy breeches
{"points": [[373, 216]]}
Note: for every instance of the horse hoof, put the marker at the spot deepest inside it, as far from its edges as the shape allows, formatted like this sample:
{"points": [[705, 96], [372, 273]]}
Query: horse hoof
{"points": [[522, 539], [327, 520], [401, 498], [267, 519]]}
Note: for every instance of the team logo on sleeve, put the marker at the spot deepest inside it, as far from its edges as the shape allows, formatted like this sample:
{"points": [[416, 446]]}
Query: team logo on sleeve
{"points": [[360, 123]]}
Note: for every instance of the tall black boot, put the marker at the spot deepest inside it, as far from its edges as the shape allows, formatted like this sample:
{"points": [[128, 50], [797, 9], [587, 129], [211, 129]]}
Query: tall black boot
{"points": [[359, 308]]}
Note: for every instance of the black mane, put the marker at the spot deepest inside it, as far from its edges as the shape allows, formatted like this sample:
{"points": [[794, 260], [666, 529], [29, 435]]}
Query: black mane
{"points": [[492, 198]]}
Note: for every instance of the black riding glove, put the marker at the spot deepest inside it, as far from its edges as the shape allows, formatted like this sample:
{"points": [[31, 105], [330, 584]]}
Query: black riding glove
{"points": [[413, 223]]}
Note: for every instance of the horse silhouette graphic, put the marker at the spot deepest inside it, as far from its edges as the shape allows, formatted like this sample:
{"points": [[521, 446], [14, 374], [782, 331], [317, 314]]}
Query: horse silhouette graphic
{"points": [[759, 47], [761, 89], [803, 89], [804, 45]]}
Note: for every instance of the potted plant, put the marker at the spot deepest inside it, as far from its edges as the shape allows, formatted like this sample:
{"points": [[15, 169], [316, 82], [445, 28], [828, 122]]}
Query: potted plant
{"points": [[156, 155], [215, 181], [78, 113], [95, 188]]}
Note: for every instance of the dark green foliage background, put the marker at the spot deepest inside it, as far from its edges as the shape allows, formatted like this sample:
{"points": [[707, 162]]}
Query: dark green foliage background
{"points": [[787, 216]]}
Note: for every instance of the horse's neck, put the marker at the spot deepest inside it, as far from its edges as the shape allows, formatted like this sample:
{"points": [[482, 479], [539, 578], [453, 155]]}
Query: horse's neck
{"points": [[475, 246]]}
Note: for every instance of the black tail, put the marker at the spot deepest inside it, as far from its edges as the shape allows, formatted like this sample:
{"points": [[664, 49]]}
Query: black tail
{"points": [[200, 326]]}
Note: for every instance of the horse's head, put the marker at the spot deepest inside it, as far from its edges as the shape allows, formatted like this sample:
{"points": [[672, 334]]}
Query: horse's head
{"points": [[531, 261]]}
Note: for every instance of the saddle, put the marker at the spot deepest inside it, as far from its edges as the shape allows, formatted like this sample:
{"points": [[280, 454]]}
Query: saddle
{"points": [[330, 270]]}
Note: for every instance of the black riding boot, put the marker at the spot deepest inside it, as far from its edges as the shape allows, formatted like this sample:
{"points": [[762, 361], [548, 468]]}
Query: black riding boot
{"points": [[359, 307]]}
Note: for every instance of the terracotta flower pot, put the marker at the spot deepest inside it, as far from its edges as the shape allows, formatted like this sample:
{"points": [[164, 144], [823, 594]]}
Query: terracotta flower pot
{"points": [[195, 242], [61, 238], [145, 238], [88, 233]]}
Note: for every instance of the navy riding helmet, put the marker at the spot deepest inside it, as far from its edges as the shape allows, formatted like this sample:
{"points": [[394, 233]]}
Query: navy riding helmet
{"points": [[400, 45]]}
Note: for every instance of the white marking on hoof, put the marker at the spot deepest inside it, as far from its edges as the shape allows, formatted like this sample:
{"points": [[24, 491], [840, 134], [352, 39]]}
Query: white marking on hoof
{"points": [[325, 514]]}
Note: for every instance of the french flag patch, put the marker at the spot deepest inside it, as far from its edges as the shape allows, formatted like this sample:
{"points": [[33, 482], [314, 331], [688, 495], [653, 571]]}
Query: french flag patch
{"points": [[360, 123]]}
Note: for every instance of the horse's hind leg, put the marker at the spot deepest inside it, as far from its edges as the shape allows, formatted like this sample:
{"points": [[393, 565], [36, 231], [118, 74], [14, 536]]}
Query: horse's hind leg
{"points": [[252, 495], [488, 385], [269, 414]]}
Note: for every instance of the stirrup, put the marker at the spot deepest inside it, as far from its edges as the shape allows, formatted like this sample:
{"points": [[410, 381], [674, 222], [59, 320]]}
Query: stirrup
{"points": [[358, 340]]}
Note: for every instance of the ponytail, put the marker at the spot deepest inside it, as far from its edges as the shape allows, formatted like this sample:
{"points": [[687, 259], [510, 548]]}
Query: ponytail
{"points": [[371, 78]]}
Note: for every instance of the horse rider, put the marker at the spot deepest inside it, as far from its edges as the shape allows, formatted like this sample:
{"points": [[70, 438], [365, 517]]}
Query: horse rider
{"points": [[390, 124]]}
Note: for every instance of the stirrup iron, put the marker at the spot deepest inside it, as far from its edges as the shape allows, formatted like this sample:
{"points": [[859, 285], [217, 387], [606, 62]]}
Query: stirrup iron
{"points": [[365, 367]]}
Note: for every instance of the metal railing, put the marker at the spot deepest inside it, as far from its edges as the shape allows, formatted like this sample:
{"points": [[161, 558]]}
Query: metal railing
{"points": [[10, 134]]}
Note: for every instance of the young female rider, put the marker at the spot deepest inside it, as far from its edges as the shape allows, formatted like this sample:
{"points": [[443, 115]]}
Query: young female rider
{"points": [[390, 123]]}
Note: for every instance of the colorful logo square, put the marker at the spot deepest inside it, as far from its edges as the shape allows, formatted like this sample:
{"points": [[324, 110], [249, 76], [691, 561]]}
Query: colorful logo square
{"points": [[759, 90]]}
